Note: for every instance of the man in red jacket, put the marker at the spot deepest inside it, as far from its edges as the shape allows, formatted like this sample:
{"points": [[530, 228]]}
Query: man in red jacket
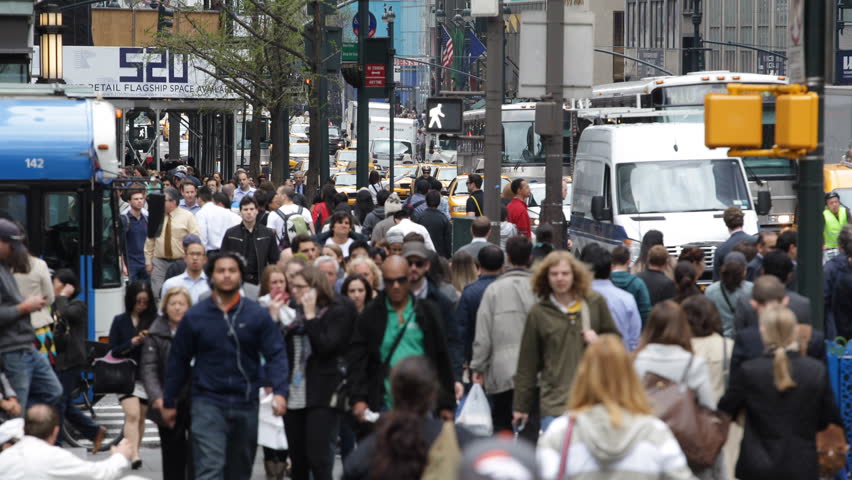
{"points": [[518, 207]]}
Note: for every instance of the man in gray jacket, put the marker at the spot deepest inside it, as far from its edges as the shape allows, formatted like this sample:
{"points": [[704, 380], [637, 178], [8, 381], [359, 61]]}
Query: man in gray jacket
{"points": [[29, 372], [499, 326]]}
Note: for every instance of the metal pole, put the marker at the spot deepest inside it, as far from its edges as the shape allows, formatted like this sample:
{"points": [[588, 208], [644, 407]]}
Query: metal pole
{"points": [[811, 203], [552, 208], [322, 97], [494, 124], [696, 34], [392, 110], [363, 160]]}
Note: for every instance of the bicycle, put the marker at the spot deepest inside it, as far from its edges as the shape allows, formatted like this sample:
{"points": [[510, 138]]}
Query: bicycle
{"points": [[85, 400]]}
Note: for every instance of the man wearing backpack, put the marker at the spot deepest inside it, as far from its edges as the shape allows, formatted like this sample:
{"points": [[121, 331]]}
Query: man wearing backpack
{"points": [[290, 219], [417, 202]]}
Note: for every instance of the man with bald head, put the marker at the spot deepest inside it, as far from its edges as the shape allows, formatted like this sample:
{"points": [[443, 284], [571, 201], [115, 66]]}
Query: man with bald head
{"points": [[394, 326], [35, 455]]}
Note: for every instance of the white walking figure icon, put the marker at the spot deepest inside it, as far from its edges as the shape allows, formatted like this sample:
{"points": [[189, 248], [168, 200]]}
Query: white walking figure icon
{"points": [[435, 116]]}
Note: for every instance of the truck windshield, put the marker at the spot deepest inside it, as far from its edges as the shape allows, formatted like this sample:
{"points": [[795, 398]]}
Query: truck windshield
{"points": [[399, 148], [521, 143], [680, 186]]}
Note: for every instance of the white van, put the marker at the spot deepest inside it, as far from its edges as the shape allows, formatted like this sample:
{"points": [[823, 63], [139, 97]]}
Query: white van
{"points": [[629, 179]]}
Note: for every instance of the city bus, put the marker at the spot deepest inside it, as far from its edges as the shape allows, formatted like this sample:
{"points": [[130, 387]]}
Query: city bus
{"points": [[59, 155], [686, 93], [523, 152]]}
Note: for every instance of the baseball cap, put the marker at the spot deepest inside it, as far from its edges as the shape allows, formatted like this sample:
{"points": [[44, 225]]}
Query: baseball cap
{"points": [[181, 168], [499, 458], [394, 237], [180, 175], [393, 204], [415, 249], [734, 258], [9, 231], [191, 238]]}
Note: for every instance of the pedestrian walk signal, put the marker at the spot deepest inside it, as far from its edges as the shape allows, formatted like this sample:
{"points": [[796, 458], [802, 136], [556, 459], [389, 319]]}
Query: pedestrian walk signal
{"points": [[444, 115]]}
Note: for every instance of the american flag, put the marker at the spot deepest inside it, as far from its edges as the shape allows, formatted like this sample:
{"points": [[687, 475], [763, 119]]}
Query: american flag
{"points": [[447, 54]]}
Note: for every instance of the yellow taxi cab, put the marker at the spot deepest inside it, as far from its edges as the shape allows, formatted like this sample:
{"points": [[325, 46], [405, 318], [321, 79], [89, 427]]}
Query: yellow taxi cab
{"points": [[445, 174], [403, 176], [344, 156], [837, 177], [300, 151], [353, 166], [346, 182], [458, 194]]}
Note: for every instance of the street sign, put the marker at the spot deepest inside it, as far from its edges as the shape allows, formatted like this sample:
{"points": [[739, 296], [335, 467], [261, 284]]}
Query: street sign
{"points": [[350, 51], [769, 64], [376, 75], [843, 67], [372, 25], [796, 41], [444, 115]]}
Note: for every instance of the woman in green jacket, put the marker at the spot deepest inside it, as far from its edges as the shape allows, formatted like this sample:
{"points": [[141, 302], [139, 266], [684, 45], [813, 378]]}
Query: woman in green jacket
{"points": [[569, 316]]}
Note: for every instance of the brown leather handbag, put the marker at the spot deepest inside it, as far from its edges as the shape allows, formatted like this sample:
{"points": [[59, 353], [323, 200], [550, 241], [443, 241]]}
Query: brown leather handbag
{"points": [[700, 431]]}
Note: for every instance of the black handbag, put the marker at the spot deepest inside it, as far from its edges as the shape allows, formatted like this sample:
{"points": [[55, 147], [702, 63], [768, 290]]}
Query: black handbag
{"points": [[114, 375]]}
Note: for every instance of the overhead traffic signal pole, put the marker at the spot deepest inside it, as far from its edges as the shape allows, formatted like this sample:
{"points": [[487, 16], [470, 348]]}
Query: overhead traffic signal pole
{"points": [[363, 160]]}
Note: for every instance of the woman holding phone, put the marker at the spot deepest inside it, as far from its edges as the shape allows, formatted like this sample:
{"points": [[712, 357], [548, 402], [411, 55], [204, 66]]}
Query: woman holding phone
{"points": [[126, 335], [316, 340]]}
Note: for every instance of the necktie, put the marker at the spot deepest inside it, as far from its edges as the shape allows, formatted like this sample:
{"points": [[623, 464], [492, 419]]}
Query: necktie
{"points": [[168, 237]]}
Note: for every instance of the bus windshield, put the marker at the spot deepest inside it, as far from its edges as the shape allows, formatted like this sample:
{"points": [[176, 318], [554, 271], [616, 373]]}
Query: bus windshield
{"points": [[680, 186], [520, 142]]}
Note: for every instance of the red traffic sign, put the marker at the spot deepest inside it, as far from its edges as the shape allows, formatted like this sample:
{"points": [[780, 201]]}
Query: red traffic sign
{"points": [[372, 29], [375, 75]]}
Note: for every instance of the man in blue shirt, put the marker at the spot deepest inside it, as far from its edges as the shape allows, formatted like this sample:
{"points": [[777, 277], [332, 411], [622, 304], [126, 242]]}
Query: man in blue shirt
{"points": [[189, 201], [225, 335], [135, 224], [621, 304], [490, 267]]}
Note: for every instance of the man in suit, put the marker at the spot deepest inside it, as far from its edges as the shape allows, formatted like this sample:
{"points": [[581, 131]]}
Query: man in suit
{"points": [[765, 244], [733, 217], [769, 290], [779, 265]]}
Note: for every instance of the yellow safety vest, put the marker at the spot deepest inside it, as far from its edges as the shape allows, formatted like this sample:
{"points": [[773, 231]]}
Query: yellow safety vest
{"points": [[833, 225]]}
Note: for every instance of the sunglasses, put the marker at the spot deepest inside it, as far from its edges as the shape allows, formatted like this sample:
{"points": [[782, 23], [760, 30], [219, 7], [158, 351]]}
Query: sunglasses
{"points": [[399, 280], [418, 263]]}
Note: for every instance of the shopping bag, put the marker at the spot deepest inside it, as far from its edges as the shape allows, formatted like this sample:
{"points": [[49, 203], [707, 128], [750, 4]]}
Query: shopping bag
{"points": [[475, 415], [270, 429]]}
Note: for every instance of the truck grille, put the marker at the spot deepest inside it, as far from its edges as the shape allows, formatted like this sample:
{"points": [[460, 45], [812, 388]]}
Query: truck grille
{"points": [[709, 253]]}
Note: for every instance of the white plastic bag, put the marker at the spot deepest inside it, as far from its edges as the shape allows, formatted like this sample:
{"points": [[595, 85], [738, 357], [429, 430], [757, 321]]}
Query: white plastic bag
{"points": [[475, 415], [270, 429]]}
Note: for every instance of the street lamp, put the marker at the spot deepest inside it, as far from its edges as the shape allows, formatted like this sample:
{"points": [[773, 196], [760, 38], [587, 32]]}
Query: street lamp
{"points": [[388, 17], [50, 42]]}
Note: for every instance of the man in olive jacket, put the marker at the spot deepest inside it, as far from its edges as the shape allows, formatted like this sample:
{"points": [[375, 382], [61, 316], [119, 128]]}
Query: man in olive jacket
{"points": [[377, 328], [569, 316]]}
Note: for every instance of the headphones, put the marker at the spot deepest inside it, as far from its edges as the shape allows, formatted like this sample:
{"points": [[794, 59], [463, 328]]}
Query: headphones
{"points": [[213, 258]]}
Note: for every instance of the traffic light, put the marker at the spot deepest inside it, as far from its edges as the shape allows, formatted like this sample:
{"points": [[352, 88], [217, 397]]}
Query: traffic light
{"points": [[796, 121], [164, 17], [733, 120]]}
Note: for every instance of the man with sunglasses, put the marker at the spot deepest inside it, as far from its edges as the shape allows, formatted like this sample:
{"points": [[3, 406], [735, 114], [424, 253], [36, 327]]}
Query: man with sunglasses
{"points": [[394, 326]]}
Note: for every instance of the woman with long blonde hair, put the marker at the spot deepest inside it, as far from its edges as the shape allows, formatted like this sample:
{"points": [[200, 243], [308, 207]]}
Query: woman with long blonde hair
{"points": [[787, 399], [609, 427]]}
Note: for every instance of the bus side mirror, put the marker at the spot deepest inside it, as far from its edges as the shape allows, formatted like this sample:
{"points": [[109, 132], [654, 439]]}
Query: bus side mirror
{"points": [[156, 213], [599, 212], [764, 202]]}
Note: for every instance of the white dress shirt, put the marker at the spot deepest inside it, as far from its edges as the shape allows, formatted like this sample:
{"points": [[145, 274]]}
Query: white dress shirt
{"points": [[406, 226], [212, 222], [196, 287], [34, 459]]}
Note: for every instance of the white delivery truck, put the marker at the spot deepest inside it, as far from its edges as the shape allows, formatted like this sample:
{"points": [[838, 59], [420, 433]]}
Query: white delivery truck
{"points": [[404, 129], [632, 178]]}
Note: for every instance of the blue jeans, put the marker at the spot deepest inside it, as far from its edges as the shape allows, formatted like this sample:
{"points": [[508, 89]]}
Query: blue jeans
{"points": [[224, 440], [70, 378], [31, 377], [138, 273]]}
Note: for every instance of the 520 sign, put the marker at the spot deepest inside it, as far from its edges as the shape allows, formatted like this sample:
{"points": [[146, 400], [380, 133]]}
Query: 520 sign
{"points": [[146, 60]]}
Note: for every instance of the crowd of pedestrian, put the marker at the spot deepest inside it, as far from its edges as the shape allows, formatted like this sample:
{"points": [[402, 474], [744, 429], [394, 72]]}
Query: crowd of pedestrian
{"points": [[364, 329]]}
